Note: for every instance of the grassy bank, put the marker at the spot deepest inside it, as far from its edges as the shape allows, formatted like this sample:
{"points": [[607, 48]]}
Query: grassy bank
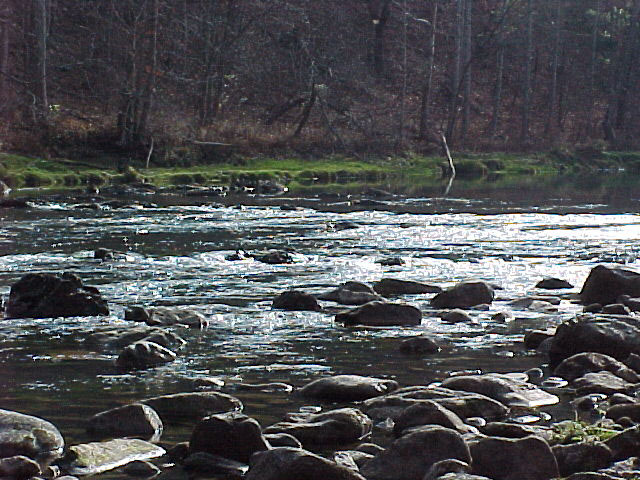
{"points": [[27, 172]]}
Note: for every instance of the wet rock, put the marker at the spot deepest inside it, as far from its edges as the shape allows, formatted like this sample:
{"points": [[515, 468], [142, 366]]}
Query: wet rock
{"points": [[443, 467], [553, 284], [30, 436], [627, 469], [615, 309], [390, 261], [419, 345], [141, 469], [381, 314], [514, 430], [633, 362], [178, 452], [582, 457], [346, 388], [604, 285], [632, 304], [282, 440], [617, 337], [582, 363], [18, 468], [265, 387], [166, 316], [429, 413], [208, 383], [620, 398], [410, 456], [14, 203], [192, 405], [144, 354], [295, 300], [456, 316], [165, 338], [231, 435], [464, 295], [370, 448], [137, 314], [592, 308], [204, 463], [601, 382], [135, 420], [46, 295], [506, 389], [335, 427], [345, 459], [121, 337], [625, 444], [461, 476], [98, 457], [103, 254], [502, 458], [629, 410], [287, 463], [533, 338], [274, 257], [388, 287], [351, 293]]}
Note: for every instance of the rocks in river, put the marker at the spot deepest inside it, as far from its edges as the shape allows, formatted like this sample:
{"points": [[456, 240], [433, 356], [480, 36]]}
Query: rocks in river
{"points": [[429, 413], [502, 458], [273, 257], [282, 440], [418, 345], [121, 337], [582, 363], [582, 457], [18, 468], [381, 314], [601, 382], [231, 435], [206, 464], [629, 410], [192, 405], [4, 189], [615, 309], [617, 337], [625, 444], [335, 427], [144, 354], [295, 300], [351, 293], [347, 388], [46, 295], [464, 295], [553, 284], [456, 316], [141, 468], [128, 421], [287, 463], [103, 254], [98, 457], [604, 285], [165, 316], [410, 456], [388, 287], [507, 389], [30, 436], [533, 338]]}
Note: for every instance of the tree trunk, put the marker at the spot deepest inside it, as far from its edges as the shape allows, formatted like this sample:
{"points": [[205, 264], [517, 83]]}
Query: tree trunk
{"points": [[553, 91], [466, 111], [40, 56], [405, 75], [150, 86], [526, 80], [425, 106], [379, 18], [4, 58], [457, 69]]}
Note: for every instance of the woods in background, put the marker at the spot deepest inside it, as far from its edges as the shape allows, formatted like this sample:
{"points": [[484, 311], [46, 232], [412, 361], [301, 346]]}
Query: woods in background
{"points": [[322, 75]]}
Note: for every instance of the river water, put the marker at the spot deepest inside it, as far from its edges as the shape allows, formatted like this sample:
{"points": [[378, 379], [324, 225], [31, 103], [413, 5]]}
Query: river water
{"points": [[174, 255]]}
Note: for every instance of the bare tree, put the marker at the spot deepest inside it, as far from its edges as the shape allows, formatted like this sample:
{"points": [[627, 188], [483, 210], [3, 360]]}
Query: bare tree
{"points": [[425, 106], [526, 79], [553, 90], [40, 25]]}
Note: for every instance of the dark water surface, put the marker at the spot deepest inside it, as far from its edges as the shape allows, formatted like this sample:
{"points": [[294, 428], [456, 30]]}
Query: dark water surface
{"points": [[175, 255]]}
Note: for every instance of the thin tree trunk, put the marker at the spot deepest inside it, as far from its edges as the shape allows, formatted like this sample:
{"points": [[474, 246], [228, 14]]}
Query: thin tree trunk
{"points": [[457, 69], [466, 112], [425, 107], [379, 22], [526, 81], [497, 92], [553, 93], [404, 74], [40, 61], [594, 60], [4, 59], [151, 76]]}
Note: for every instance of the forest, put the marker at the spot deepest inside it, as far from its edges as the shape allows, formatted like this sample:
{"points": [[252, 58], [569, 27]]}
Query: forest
{"points": [[318, 77]]}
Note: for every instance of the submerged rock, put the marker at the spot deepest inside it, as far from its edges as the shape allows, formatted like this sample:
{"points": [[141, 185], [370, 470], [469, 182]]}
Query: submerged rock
{"points": [[295, 300], [553, 284], [274, 257], [388, 287], [351, 293], [418, 345], [346, 388], [381, 314], [464, 295], [166, 316], [604, 285], [192, 405], [46, 295], [27, 435], [128, 421], [144, 354]]}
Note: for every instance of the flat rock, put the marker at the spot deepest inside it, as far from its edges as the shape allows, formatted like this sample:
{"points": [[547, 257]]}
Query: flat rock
{"points": [[604, 285], [27, 435], [345, 388], [381, 314], [389, 287], [144, 354], [295, 300], [464, 295], [286, 463], [135, 420], [410, 456], [429, 412], [192, 405], [98, 457], [167, 316], [601, 382], [504, 388], [582, 363]]}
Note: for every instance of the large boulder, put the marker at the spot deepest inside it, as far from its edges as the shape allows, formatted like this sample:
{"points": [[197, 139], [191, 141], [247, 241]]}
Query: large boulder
{"points": [[351, 293], [30, 436], [528, 458], [192, 405], [429, 412], [347, 388], [582, 363], [144, 354], [230, 435], [412, 455], [381, 314], [582, 457], [335, 427], [295, 300], [617, 337], [464, 295], [604, 285], [135, 420], [286, 463], [46, 295], [388, 287]]}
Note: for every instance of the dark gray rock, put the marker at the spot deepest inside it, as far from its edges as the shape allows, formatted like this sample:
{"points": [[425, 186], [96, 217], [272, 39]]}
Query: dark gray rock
{"points": [[389, 287], [461, 476], [141, 468], [615, 309], [370, 448], [514, 430], [103, 254], [502, 458], [601, 382], [390, 261], [578, 365], [582, 457], [18, 468], [346, 388], [456, 316], [351, 293], [274, 257], [625, 444], [137, 314], [464, 295], [143, 354], [46, 295], [443, 467], [230, 435], [629, 410], [335, 427], [429, 412], [282, 440], [167, 316], [295, 300], [381, 314], [553, 284], [135, 420], [533, 338], [30, 436], [418, 345], [207, 464], [287, 463], [604, 285], [192, 405], [412, 455]]}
